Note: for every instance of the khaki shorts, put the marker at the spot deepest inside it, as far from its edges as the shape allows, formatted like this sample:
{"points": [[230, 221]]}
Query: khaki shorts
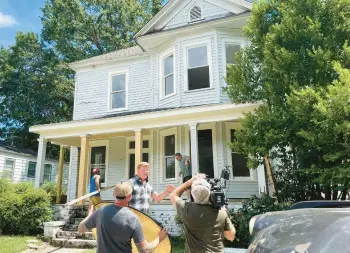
{"points": [[94, 200]]}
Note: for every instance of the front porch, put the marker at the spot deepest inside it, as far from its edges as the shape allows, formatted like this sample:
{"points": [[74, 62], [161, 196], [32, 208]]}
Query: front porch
{"points": [[117, 144]]}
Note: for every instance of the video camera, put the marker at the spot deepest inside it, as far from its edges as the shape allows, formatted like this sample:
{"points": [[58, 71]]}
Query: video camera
{"points": [[217, 195]]}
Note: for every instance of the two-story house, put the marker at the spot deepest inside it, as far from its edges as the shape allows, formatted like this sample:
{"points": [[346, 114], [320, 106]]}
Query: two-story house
{"points": [[163, 96]]}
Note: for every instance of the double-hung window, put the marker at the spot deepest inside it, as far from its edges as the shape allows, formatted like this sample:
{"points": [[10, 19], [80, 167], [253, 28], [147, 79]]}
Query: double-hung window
{"points": [[231, 51], [8, 169], [168, 75], [47, 172], [169, 156], [198, 76], [31, 169], [118, 91]]}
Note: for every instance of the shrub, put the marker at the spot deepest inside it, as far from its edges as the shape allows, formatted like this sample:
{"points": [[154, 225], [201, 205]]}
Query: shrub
{"points": [[241, 217], [23, 209], [51, 189]]}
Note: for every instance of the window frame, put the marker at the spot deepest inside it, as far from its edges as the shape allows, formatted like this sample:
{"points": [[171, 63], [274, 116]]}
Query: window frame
{"points": [[110, 79], [51, 167], [162, 57], [144, 150], [236, 42], [252, 172], [162, 135], [31, 162], [192, 45], [92, 144], [13, 167]]}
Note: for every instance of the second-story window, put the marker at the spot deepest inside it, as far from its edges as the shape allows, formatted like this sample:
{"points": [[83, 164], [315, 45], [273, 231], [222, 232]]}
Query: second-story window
{"points": [[168, 75], [198, 68], [118, 90], [231, 51]]}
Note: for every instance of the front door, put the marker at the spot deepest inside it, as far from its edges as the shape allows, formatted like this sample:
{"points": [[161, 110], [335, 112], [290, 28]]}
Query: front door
{"points": [[205, 152]]}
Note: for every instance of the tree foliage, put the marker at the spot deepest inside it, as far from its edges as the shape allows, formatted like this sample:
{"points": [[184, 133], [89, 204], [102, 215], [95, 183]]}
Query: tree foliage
{"points": [[79, 29], [295, 64], [35, 88]]}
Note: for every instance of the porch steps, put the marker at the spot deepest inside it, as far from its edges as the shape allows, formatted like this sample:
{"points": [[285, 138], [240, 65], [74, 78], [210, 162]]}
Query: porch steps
{"points": [[73, 243], [69, 237], [73, 239], [74, 235]]}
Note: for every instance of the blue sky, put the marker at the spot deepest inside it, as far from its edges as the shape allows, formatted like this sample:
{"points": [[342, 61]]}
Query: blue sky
{"points": [[18, 15]]}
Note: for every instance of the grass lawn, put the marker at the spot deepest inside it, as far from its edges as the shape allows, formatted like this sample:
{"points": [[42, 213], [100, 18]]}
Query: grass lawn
{"points": [[177, 244], [15, 244]]}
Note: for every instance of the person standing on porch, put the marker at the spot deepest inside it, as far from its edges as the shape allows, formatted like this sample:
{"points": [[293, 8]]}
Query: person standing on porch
{"points": [[143, 193], [186, 170], [95, 186]]}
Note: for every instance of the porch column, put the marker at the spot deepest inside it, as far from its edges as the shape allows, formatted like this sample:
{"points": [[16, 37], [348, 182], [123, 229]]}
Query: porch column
{"points": [[194, 148], [40, 162], [84, 149], [60, 173], [138, 148]]}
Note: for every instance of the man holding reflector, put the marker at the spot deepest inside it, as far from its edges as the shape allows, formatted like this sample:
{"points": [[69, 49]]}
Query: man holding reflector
{"points": [[116, 225]]}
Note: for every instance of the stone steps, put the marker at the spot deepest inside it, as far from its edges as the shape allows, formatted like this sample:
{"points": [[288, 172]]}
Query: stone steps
{"points": [[74, 235], [73, 243]]}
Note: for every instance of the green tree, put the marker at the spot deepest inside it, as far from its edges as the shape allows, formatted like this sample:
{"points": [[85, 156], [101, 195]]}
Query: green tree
{"points": [[294, 45], [35, 88], [79, 29]]}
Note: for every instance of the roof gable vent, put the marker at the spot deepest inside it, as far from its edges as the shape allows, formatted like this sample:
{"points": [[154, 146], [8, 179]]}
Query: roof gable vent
{"points": [[196, 13]]}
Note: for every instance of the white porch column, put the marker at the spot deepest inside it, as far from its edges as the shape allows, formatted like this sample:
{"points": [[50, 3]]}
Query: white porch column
{"points": [[194, 148], [40, 162], [138, 148]]}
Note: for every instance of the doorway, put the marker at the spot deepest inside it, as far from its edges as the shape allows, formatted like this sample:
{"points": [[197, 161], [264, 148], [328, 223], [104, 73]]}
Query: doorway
{"points": [[205, 152]]}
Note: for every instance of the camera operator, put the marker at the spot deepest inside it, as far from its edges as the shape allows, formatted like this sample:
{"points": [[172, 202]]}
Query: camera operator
{"points": [[204, 225]]}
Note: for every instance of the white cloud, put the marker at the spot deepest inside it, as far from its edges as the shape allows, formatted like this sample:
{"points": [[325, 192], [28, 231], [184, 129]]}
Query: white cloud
{"points": [[7, 20]]}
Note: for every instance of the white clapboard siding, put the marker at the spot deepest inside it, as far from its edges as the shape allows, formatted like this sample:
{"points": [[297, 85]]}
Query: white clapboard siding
{"points": [[21, 163], [92, 89]]}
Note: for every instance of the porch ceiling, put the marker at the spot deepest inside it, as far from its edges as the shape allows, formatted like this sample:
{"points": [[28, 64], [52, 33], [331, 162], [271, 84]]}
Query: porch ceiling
{"points": [[69, 133]]}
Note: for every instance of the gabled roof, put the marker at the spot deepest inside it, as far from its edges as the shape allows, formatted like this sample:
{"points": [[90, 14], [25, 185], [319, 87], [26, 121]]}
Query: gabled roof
{"points": [[11, 149], [116, 55], [168, 12]]}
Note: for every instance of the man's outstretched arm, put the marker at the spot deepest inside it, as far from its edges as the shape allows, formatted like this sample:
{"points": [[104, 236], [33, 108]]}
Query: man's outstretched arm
{"points": [[144, 246]]}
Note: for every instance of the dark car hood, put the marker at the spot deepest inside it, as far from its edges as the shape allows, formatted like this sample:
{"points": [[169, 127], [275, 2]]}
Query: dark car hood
{"points": [[303, 230]]}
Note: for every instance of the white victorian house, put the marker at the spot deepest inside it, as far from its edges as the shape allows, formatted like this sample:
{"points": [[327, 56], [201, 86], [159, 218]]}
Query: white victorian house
{"points": [[163, 96]]}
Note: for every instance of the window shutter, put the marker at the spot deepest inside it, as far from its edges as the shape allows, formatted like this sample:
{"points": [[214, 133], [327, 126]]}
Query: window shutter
{"points": [[196, 13]]}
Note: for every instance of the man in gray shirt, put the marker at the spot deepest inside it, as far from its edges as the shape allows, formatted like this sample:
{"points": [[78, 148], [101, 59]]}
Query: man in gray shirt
{"points": [[186, 169], [116, 225]]}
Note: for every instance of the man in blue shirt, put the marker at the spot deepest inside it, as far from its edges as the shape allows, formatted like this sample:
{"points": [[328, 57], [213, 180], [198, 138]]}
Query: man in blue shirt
{"points": [[95, 186]]}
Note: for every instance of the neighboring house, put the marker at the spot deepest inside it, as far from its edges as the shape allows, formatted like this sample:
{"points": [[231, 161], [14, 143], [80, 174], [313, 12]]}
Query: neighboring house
{"points": [[147, 102], [19, 165]]}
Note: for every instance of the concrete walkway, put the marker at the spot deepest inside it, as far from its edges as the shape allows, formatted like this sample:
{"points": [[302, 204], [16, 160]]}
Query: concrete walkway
{"points": [[46, 248]]}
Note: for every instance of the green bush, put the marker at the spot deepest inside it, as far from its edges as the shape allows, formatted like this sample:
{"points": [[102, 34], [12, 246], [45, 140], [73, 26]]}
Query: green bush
{"points": [[51, 189], [23, 209], [241, 217]]}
